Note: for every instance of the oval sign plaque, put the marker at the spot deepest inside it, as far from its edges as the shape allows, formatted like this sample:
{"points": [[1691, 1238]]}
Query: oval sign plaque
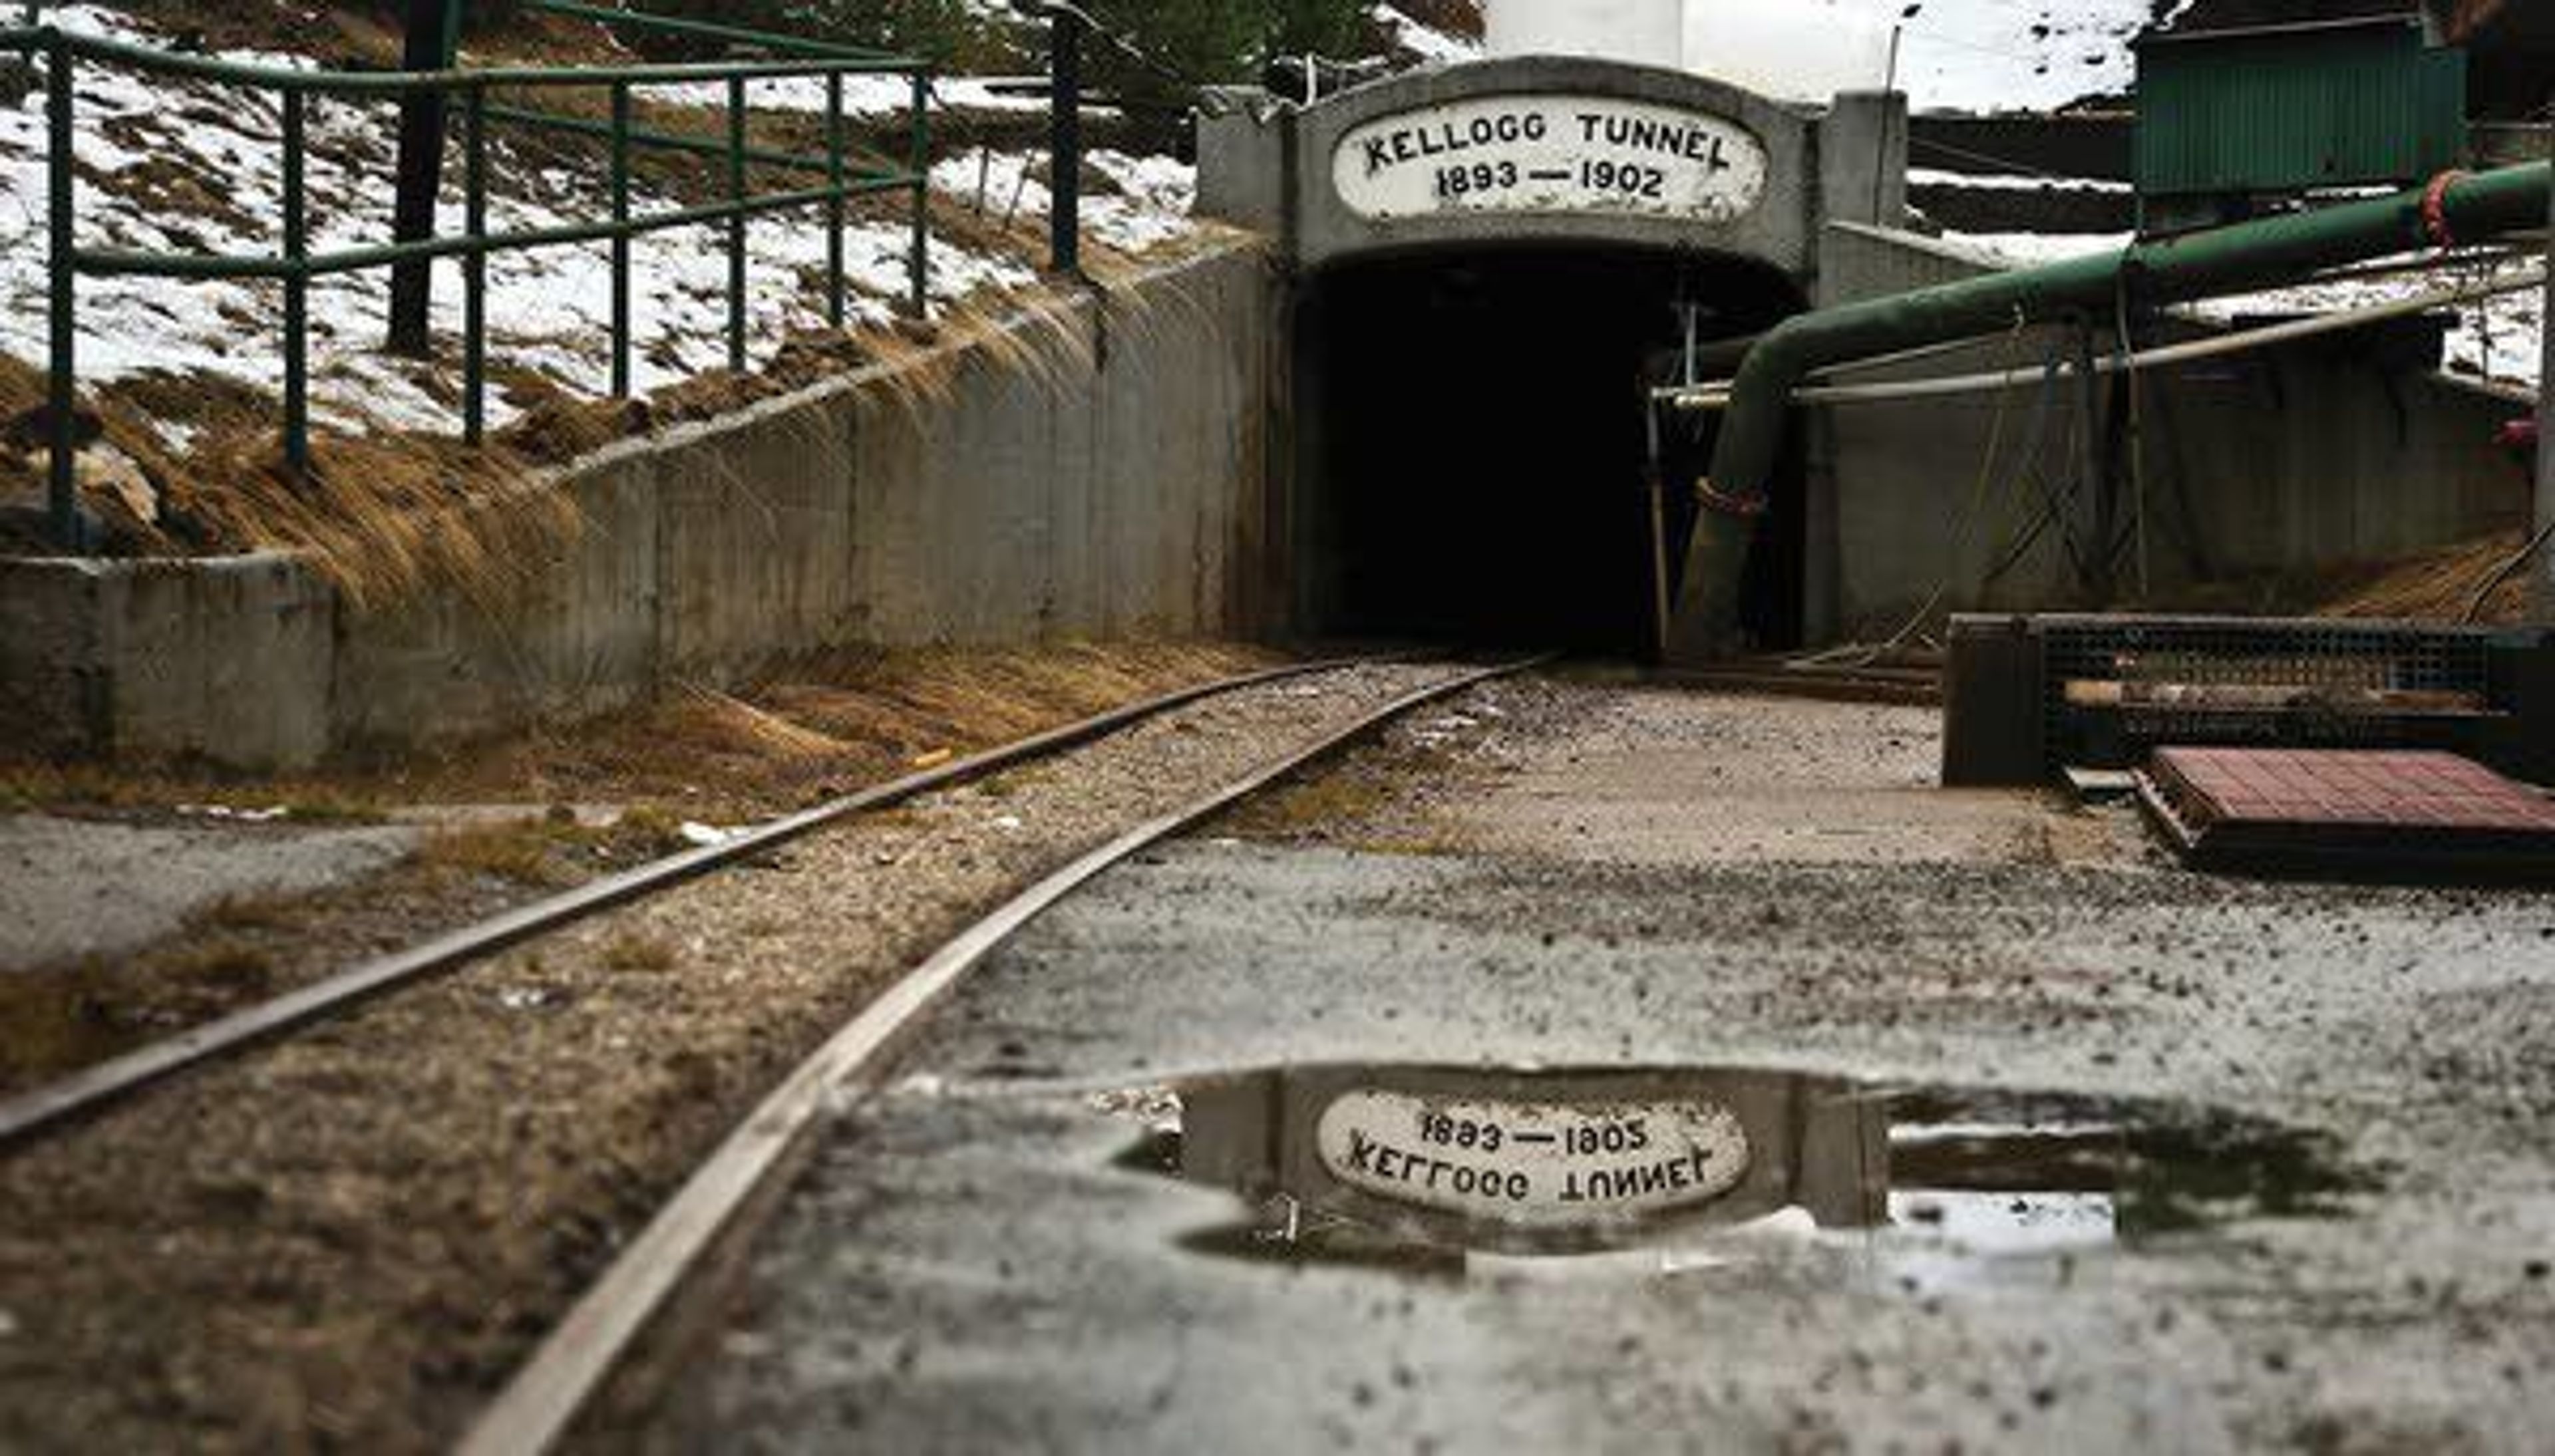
{"points": [[1542, 1164], [1551, 153]]}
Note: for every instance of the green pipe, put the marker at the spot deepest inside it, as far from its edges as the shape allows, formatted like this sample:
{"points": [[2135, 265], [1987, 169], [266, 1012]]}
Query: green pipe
{"points": [[2226, 260]]}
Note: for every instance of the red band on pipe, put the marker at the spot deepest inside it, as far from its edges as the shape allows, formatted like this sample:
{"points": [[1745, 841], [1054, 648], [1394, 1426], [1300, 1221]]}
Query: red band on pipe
{"points": [[2435, 210], [1746, 509]]}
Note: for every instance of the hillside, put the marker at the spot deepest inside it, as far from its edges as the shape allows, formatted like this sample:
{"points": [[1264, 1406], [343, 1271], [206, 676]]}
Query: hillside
{"points": [[184, 374]]}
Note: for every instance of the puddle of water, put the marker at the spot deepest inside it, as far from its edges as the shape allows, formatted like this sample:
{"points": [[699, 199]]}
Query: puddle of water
{"points": [[1452, 1172]]}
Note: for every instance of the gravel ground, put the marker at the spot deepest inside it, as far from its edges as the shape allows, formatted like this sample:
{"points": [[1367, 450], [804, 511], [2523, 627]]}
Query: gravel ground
{"points": [[969, 1264], [349, 1240], [74, 887]]}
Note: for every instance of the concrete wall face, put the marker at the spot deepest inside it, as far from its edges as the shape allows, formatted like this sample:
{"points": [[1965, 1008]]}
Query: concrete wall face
{"points": [[1109, 485], [2299, 458]]}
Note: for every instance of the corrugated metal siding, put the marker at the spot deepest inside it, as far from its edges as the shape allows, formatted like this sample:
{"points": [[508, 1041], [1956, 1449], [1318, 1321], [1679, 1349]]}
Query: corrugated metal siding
{"points": [[2270, 114]]}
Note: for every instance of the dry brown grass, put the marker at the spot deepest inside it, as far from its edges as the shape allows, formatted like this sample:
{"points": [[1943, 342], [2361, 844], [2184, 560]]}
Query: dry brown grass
{"points": [[517, 852], [639, 954], [811, 730], [250, 912], [2437, 586], [380, 516]]}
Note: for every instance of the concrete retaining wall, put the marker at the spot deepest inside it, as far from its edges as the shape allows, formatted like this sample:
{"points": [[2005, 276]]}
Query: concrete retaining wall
{"points": [[2316, 454], [1112, 486]]}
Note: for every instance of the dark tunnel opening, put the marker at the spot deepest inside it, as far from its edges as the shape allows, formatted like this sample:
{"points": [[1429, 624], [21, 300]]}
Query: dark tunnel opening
{"points": [[1474, 454]]}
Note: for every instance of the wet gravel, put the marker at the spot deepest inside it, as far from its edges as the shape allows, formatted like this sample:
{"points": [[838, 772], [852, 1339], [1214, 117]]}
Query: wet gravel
{"points": [[349, 1240], [966, 1268]]}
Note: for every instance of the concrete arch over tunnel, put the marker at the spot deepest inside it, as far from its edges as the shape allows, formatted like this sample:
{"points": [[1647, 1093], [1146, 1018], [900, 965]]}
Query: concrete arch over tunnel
{"points": [[1474, 457], [1480, 266]]}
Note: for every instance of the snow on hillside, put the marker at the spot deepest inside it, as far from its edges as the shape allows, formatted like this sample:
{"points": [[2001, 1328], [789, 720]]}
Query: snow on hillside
{"points": [[1990, 55], [188, 167], [1954, 55], [1419, 42]]}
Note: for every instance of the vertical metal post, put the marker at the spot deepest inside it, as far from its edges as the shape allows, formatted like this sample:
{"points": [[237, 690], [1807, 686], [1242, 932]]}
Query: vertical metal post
{"points": [[621, 240], [474, 270], [432, 43], [736, 224], [834, 202], [918, 261], [1064, 147], [2097, 479], [296, 285], [61, 398]]}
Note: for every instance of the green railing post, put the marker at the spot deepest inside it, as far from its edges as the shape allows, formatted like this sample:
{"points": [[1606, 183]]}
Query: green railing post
{"points": [[834, 204], [1064, 143], [296, 286], [919, 263], [736, 224], [621, 240], [61, 394], [302, 264], [474, 269]]}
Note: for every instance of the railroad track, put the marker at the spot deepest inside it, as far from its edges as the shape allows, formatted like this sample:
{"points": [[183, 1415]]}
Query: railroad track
{"points": [[727, 1195], [55, 1106]]}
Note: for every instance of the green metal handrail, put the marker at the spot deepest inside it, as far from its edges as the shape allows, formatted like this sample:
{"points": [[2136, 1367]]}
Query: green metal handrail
{"points": [[705, 31], [295, 265]]}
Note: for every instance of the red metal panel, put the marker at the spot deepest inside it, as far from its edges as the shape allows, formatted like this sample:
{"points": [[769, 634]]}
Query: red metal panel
{"points": [[2306, 787], [2377, 809]]}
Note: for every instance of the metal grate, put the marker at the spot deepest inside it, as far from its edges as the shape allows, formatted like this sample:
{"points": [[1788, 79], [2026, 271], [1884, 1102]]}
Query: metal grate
{"points": [[2113, 688]]}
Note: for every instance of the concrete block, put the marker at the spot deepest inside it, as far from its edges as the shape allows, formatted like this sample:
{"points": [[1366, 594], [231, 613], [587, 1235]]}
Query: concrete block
{"points": [[1993, 716], [1243, 137], [1863, 159], [228, 660]]}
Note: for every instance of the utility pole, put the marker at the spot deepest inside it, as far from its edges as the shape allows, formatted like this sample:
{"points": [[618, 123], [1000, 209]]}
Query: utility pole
{"points": [[433, 44]]}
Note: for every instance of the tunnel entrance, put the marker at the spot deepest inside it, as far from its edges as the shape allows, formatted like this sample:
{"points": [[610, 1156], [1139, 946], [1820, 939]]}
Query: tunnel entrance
{"points": [[1474, 457]]}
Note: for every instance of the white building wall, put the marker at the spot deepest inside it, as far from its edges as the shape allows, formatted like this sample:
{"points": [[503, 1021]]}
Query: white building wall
{"points": [[1639, 31], [1799, 51]]}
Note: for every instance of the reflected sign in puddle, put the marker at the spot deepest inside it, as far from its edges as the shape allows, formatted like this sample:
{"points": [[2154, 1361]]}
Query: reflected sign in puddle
{"points": [[1427, 1169]]}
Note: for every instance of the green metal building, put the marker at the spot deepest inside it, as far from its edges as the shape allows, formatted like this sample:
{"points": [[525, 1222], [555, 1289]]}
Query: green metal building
{"points": [[2230, 118]]}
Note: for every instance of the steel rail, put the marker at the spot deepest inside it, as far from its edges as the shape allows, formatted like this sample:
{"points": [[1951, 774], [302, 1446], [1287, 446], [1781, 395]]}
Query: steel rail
{"points": [[94, 1089], [537, 1407]]}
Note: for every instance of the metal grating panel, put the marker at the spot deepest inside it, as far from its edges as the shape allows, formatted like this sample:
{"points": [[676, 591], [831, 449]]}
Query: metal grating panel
{"points": [[2114, 688]]}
